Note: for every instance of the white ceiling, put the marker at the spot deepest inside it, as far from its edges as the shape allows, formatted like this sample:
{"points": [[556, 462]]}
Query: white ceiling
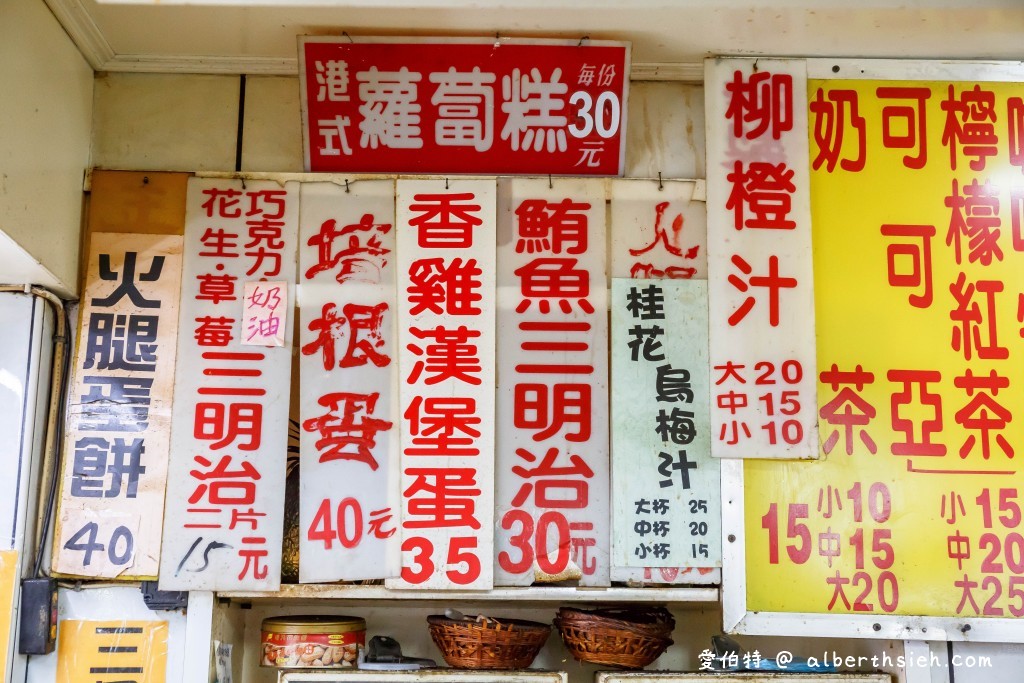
{"points": [[670, 37]]}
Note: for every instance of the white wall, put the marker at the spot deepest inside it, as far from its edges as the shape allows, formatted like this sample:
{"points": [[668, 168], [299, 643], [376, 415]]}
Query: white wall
{"points": [[165, 122], [45, 127]]}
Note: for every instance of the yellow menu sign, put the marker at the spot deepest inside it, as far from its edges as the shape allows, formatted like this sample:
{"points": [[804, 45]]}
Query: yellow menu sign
{"points": [[917, 203], [8, 579], [109, 651]]}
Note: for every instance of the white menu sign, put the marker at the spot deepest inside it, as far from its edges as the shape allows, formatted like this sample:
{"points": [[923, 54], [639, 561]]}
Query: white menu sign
{"points": [[446, 241], [349, 502], [666, 498], [119, 413], [229, 438], [760, 268], [659, 231], [552, 400]]}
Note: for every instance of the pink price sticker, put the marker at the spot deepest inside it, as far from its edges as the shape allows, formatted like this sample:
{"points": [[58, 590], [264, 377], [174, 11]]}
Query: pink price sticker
{"points": [[264, 313]]}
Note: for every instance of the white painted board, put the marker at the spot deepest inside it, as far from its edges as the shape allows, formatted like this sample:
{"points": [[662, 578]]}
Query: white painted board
{"points": [[225, 496], [446, 240], [665, 494], [659, 229], [760, 266], [118, 424], [348, 364], [552, 393]]}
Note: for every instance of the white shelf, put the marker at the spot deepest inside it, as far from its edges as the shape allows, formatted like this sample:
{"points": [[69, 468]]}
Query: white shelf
{"points": [[570, 594]]}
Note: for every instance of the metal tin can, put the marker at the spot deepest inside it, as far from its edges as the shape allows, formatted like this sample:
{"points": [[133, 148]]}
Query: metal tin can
{"points": [[304, 642]]}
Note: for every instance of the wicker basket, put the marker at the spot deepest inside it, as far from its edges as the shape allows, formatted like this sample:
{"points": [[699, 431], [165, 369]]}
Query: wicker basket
{"points": [[628, 638], [488, 643]]}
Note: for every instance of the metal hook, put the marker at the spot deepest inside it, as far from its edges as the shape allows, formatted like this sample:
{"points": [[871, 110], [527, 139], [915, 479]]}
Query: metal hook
{"points": [[551, 185], [243, 183], [346, 186], [446, 183], [345, 33], [661, 185], [579, 44]]}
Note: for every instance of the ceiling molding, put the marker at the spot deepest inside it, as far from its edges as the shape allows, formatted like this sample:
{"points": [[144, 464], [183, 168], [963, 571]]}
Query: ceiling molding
{"points": [[83, 31], [271, 66], [93, 45], [258, 66]]}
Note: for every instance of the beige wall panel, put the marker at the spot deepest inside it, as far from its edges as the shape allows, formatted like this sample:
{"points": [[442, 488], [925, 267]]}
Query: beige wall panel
{"points": [[272, 138], [46, 110], [665, 131], [188, 123], [165, 122]]}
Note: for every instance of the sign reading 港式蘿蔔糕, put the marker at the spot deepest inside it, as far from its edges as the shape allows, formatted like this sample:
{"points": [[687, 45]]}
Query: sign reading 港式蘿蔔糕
{"points": [[462, 105]]}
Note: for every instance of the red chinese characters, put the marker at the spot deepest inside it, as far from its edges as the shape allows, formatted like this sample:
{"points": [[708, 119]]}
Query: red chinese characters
{"points": [[224, 514], [916, 410], [464, 106], [760, 282], [658, 230], [446, 243], [848, 413], [848, 530], [348, 504], [904, 122], [969, 129], [988, 567], [913, 242], [552, 406], [927, 405], [839, 131], [354, 252]]}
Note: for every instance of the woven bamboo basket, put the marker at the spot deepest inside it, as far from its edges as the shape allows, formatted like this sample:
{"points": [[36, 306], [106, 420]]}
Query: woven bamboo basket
{"points": [[488, 643], [627, 638]]}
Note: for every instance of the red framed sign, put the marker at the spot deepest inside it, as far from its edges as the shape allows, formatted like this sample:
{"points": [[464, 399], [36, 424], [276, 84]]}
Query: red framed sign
{"points": [[476, 105]]}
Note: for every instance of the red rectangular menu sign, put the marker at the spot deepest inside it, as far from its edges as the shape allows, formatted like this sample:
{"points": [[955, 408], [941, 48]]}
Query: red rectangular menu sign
{"points": [[482, 106]]}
